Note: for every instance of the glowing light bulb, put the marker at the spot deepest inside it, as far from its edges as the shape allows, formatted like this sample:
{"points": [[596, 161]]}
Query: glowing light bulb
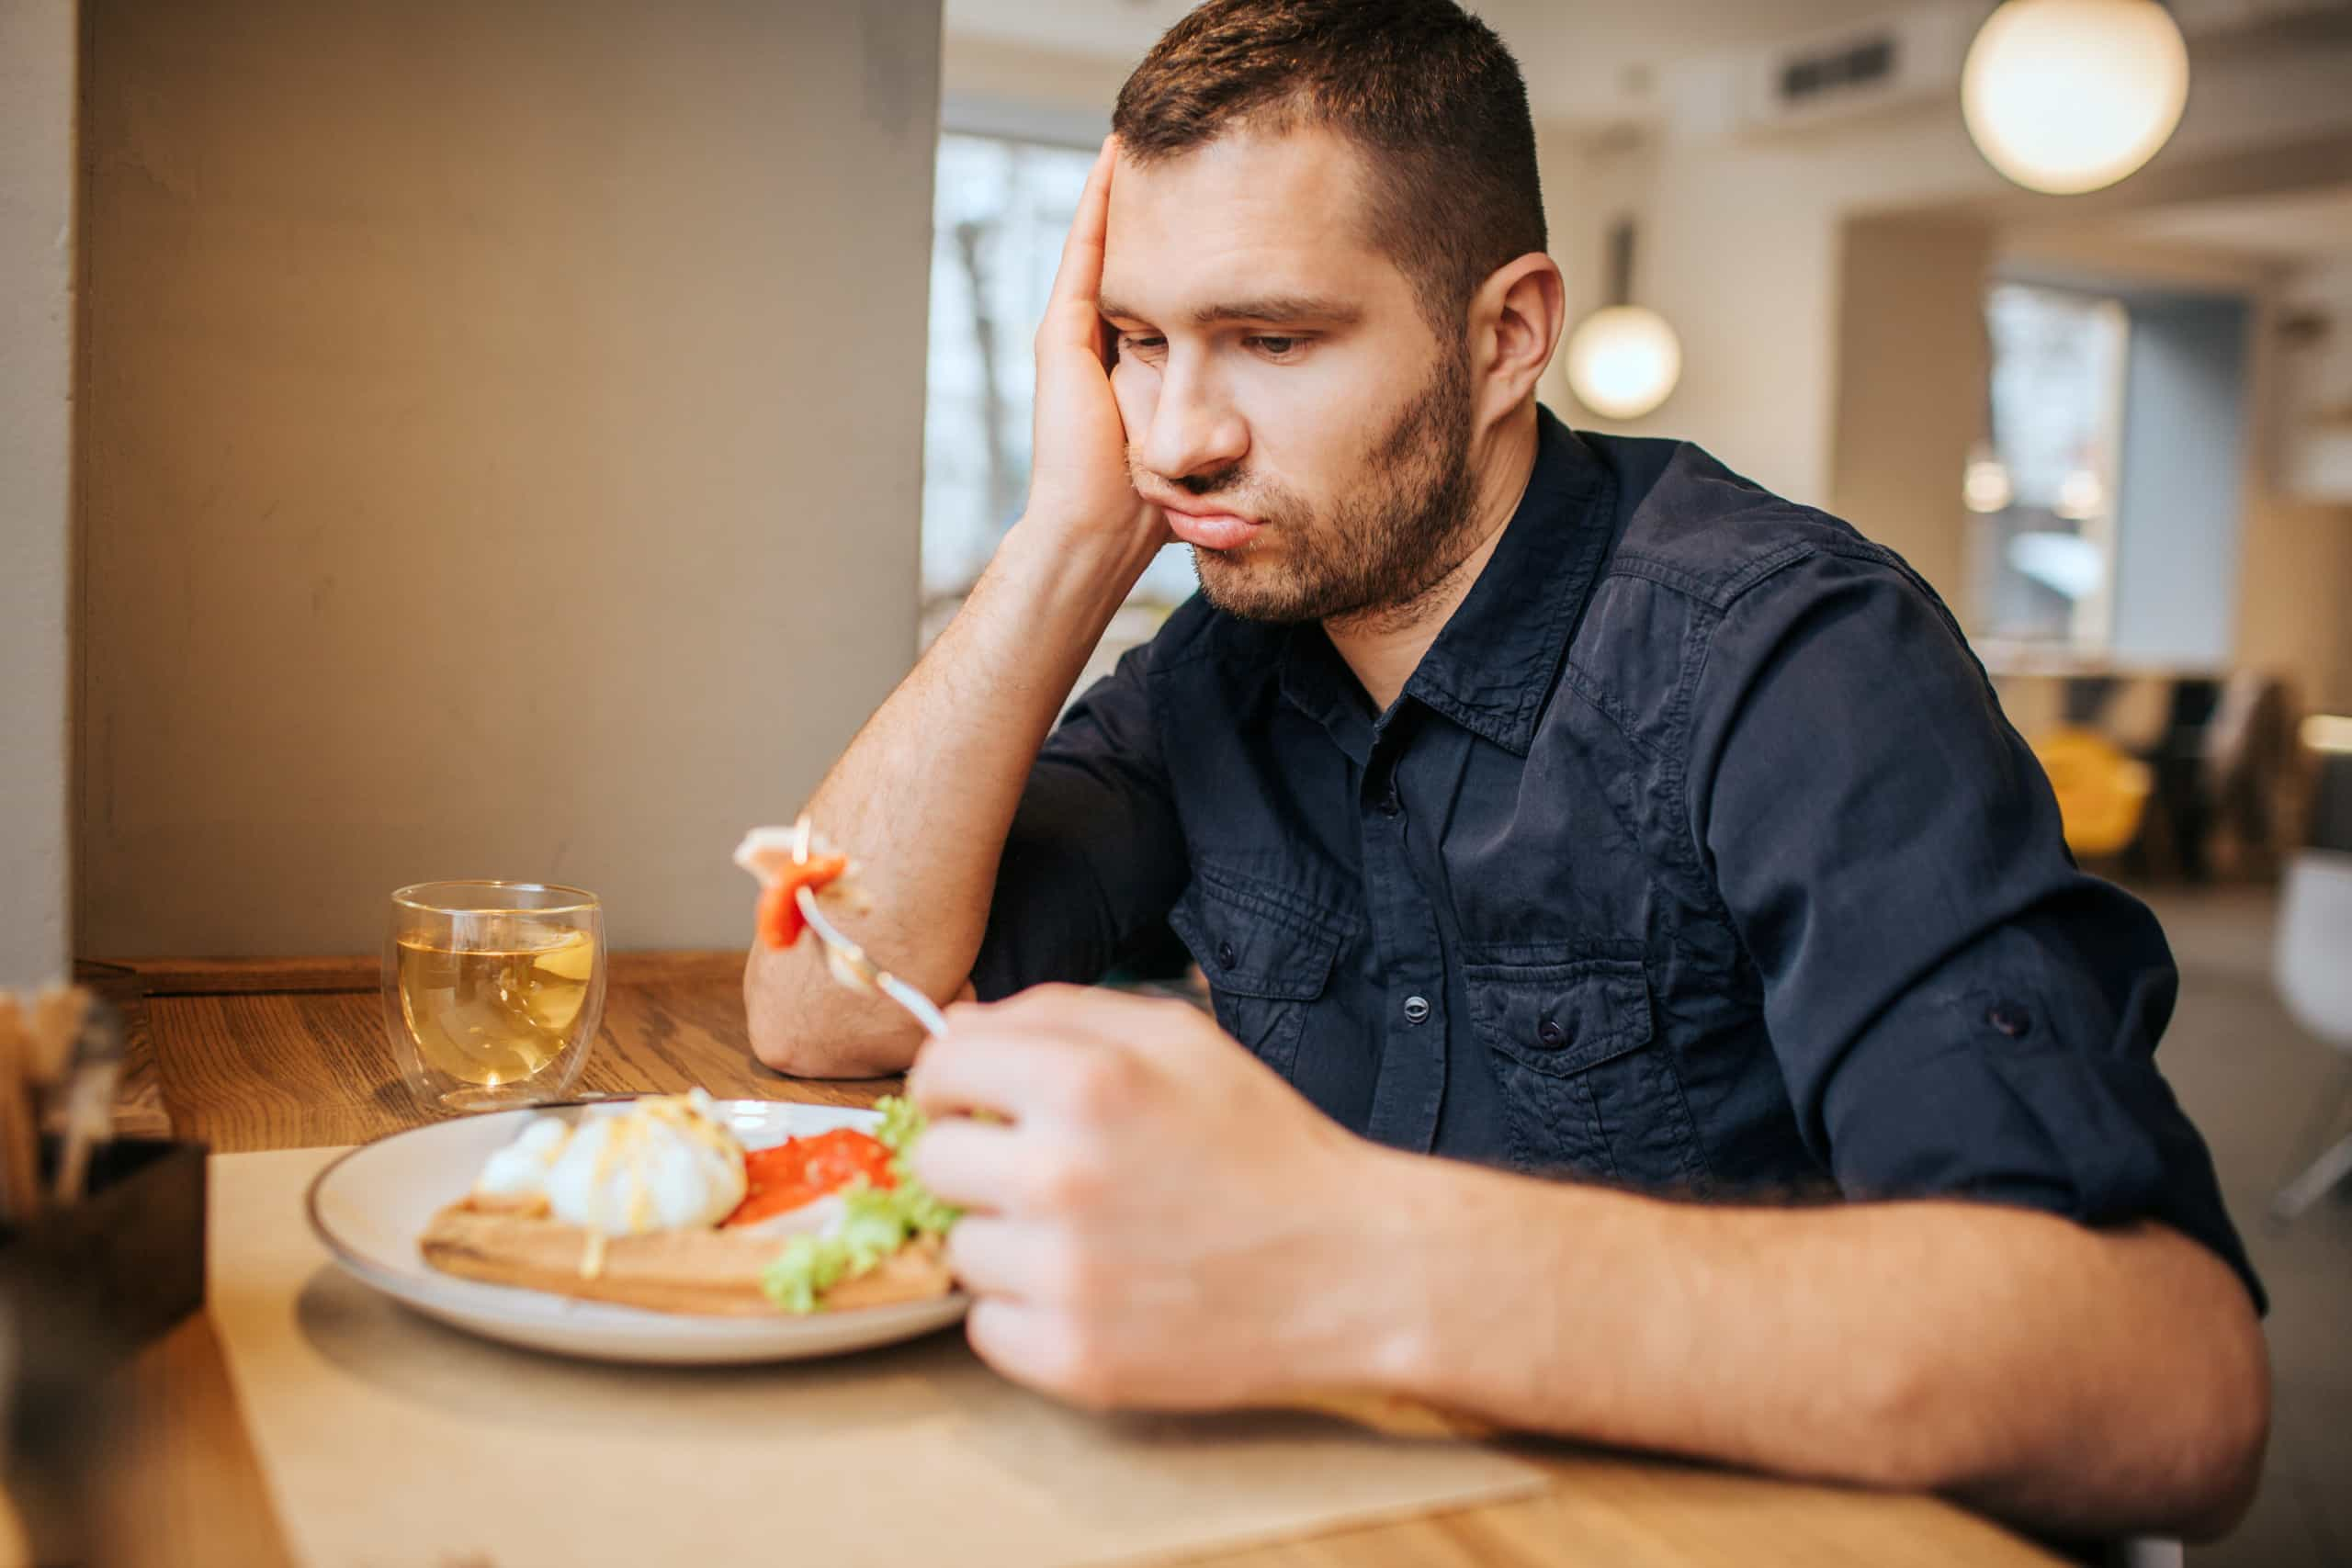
{"points": [[1624, 361], [2080, 496], [1985, 486], [2068, 96]]}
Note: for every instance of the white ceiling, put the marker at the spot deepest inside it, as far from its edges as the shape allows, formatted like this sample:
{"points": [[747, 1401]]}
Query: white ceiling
{"points": [[1577, 55], [2300, 226]]}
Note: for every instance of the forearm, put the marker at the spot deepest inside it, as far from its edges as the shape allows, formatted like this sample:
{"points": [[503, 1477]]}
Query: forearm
{"points": [[2070, 1379], [934, 779]]}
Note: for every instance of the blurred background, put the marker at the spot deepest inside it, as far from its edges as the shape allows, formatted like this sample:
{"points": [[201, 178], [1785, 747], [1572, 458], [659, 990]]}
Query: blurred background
{"points": [[525, 440]]}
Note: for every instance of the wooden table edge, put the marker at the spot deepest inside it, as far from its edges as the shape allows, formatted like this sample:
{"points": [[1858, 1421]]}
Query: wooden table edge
{"points": [[364, 972]]}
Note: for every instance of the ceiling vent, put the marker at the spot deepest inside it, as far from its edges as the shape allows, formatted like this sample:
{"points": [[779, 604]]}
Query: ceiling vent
{"points": [[1902, 59], [1857, 67]]}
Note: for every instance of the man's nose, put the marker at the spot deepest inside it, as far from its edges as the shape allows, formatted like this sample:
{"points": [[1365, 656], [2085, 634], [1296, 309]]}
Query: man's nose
{"points": [[1193, 431]]}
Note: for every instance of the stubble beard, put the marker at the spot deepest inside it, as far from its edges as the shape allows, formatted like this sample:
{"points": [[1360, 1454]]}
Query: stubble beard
{"points": [[1374, 557]]}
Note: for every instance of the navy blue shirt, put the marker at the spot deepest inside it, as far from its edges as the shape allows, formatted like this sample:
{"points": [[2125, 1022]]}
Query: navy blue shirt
{"points": [[1696, 857]]}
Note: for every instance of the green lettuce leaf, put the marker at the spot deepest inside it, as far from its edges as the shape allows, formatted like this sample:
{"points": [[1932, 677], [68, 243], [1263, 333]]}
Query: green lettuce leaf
{"points": [[807, 1267], [876, 1222]]}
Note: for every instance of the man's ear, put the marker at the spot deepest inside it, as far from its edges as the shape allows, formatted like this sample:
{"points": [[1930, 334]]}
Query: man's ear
{"points": [[1516, 320]]}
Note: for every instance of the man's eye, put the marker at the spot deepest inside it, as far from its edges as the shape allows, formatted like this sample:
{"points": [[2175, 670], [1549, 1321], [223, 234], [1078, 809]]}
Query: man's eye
{"points": [[1140, 343], [1275, 347]]}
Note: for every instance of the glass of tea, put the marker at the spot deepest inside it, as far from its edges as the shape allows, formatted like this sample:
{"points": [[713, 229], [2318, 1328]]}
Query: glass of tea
{"points": [[492, 991]]}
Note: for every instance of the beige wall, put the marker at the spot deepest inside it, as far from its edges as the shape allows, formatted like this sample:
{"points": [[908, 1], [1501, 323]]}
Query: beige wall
{"points": [[504, 433], [1912, 360], [992, 70], [2295, 564], [2295, 596], [2315, 455], [37, 88]]}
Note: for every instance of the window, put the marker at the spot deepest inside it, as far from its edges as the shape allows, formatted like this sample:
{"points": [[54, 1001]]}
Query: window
{"points": [[999, 214], [2045, 486], [2110, 495]]}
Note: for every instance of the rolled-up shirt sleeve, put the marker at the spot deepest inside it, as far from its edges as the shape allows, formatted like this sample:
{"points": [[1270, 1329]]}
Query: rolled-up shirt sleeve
{"points": [[1095, 856], [1958, 1010]]}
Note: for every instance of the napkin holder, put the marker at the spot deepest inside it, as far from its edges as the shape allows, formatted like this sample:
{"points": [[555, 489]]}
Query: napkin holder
{"points": [[120, 1267], [82, 1287]]}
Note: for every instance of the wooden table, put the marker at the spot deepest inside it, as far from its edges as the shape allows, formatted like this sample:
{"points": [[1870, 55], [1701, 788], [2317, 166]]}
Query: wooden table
{"points": [[269, 1055]]}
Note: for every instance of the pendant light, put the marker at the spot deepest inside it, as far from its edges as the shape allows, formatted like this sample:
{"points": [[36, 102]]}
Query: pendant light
{"points": [[2067, 95], [1624, 360]]}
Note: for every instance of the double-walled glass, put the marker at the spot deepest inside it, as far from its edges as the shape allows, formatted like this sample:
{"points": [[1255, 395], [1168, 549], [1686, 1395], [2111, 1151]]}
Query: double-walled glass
{"points": [[492, 991]]}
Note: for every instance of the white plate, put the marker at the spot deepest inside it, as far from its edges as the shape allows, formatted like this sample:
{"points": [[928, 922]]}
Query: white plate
{"points": [[370, 1207]]}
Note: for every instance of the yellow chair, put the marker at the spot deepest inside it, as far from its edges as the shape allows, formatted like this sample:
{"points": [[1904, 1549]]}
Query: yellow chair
{"points": [[2102, 793]]}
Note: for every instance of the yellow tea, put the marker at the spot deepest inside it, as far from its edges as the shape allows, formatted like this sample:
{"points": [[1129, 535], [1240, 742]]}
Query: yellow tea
{"points": [[500, 1012]]}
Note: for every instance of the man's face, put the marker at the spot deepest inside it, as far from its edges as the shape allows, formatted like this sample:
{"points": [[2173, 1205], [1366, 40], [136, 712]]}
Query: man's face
{"points": [[1285, 400]]}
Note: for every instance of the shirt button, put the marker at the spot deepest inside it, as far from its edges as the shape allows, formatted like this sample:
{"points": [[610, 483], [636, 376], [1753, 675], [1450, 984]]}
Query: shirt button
{"points": [[1389, 805], [1226, 956], [1550, 1033], [1416, 1010], [2010, 1019]]}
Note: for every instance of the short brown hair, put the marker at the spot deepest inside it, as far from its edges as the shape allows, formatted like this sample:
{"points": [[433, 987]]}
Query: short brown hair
{"points": [[1425, 90]]}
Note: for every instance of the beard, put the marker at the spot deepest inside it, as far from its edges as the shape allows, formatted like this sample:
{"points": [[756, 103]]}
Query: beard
{"points": [[1372, 556]]}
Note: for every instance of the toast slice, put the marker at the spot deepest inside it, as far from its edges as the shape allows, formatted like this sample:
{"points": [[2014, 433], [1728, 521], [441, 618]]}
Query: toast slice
{"points": [[715, 1272]]}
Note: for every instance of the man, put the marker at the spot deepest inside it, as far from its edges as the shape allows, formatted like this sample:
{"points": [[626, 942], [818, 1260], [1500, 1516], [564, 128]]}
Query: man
{"points": [[1564, 805]]}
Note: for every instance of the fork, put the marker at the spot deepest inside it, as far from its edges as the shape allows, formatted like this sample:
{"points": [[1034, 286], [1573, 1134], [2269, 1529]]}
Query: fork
{"points": [[845, 960], [849, 964]]}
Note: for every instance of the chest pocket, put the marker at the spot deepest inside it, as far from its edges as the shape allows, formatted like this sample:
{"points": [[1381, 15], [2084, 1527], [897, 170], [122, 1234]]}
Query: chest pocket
{"points": [[1588, 1089], [1265, 956]]}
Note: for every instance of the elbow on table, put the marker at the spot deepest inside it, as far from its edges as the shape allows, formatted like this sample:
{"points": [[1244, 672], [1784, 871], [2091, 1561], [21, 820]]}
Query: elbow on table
{"points": [[2223, 1429], [819, 1031], [2179, 1441], [2193, 1477], [2194, 1447]]}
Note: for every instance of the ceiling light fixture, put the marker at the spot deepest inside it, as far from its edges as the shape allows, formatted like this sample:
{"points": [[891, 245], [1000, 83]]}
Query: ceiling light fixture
{"points": [[2064, 96], [1624, 360]]}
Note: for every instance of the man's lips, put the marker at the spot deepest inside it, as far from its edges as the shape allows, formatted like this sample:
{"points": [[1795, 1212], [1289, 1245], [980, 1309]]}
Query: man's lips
{"points": [[1210, 530]]}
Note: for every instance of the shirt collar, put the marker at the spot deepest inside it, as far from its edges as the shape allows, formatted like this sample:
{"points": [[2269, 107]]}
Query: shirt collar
{"points": [[1492, 666]]}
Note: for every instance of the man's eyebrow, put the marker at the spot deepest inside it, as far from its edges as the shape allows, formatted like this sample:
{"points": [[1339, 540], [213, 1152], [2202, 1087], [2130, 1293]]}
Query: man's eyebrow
{"points": [[1303, 308]]}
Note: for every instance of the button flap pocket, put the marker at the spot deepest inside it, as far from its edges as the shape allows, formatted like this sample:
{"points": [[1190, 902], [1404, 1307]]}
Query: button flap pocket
{"points": [[1561, 1018], [1255, 939]]}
